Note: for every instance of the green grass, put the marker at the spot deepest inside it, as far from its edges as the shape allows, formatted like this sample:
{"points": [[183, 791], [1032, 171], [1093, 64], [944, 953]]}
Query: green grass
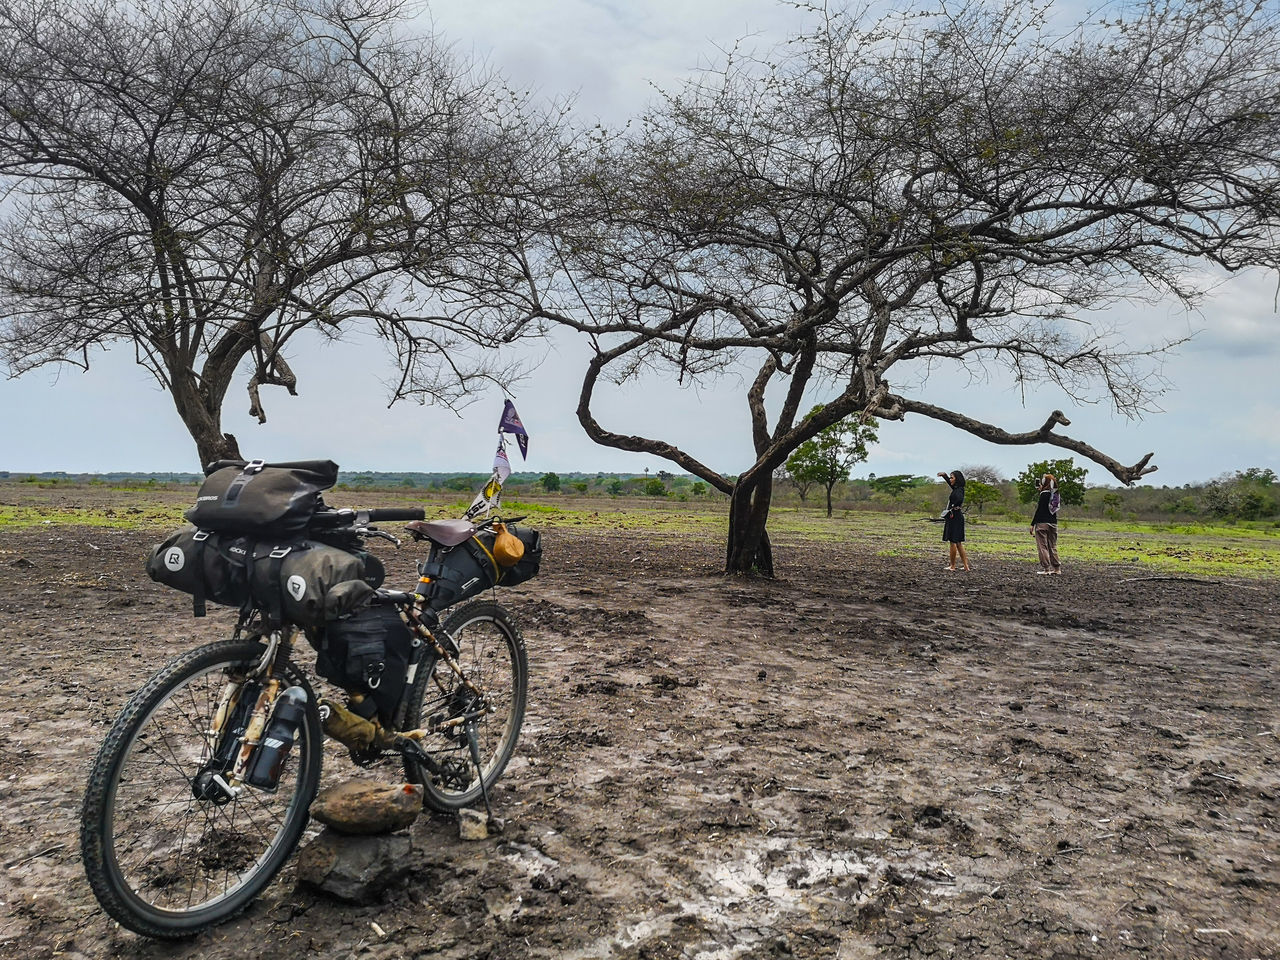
{"points": [[15, 518], [1248, 550]]}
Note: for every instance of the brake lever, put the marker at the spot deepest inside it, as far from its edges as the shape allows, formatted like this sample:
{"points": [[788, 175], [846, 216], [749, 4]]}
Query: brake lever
{"points": [[375, 532]]}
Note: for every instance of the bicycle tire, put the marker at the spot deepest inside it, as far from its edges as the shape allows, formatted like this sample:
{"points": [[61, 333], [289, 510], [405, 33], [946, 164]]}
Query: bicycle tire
{"points": [[492, 653], [139, 868]]}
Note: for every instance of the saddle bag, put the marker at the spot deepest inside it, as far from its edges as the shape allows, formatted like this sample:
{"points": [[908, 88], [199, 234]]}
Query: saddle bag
{"points": [[267, 500], [451, 575], [366, 652]]}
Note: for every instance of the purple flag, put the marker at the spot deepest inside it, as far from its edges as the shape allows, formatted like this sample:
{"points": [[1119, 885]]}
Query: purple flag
{"points": [[510, 423]]}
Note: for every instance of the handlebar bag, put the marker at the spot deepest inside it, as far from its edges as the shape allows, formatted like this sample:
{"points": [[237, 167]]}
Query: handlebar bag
{"points": [[194, 562], [296, 582], [458, 573], [265, 499]]}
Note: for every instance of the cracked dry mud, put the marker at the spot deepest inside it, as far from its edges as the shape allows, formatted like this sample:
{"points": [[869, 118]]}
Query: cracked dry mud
{"points": [[868, 758]]}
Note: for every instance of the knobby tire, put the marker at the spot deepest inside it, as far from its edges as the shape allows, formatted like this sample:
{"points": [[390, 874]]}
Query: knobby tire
{"points": [[139, 871], [491, 653]]}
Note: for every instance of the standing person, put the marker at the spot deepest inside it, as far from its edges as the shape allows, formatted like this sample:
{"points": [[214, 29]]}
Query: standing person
{"points": [[953, 522], [1044, 526]]}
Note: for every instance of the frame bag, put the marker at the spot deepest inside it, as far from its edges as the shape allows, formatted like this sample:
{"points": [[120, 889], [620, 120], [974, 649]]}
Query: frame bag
{"points": [[366, 652]]}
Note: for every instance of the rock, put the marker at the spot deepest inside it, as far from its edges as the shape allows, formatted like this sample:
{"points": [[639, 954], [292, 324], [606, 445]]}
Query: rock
{"points": [[354, 869], [472, 825], [362, 807], [22, 563]]}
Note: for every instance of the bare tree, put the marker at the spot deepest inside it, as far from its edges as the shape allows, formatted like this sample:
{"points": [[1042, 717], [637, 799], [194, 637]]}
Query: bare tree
{"points": [[802, 485], [877, 199], [208, 180], [982, 472]]}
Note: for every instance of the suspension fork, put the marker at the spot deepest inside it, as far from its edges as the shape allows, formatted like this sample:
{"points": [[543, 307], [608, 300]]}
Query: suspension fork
{"points": [[261, 681]]}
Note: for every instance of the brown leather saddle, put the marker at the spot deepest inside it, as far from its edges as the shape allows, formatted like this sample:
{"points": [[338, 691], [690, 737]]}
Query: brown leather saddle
{"points": [[446, 533]]}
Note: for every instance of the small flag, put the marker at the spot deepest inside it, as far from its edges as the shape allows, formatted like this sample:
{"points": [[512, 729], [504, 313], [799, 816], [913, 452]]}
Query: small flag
{"points": [[487, 500], [510, 423], [501, 465], [490, 498]]}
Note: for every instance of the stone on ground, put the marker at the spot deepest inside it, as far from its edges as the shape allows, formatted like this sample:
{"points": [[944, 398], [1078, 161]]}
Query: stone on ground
{"points": [[354, 869], [364, 808]]}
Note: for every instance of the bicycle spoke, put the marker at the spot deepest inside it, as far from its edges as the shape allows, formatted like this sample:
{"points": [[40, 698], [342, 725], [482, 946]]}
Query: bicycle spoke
{"points": [[172, 847]]}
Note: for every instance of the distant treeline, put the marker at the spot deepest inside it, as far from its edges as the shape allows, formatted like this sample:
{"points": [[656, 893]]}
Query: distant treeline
{"points": [[1252, 494], [347, 479]]}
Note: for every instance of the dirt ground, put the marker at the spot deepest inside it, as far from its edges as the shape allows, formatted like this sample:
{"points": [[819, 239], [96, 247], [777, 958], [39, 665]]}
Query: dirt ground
{"points": [[868, 758]]}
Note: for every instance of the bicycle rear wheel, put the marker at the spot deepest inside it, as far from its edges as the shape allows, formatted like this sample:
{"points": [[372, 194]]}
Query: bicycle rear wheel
{"points": [[166, 854], [492, 689]]}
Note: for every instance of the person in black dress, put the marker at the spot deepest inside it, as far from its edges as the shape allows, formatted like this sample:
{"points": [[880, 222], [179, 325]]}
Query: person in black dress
{"points": [[953, 522]]}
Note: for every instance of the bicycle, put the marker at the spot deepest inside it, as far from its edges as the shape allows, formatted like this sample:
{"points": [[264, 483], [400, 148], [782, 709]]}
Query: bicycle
{"points": [[195, 801]]}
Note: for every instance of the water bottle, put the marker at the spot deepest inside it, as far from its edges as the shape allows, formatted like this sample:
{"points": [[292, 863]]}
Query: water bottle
{"points": [[277, 739]]}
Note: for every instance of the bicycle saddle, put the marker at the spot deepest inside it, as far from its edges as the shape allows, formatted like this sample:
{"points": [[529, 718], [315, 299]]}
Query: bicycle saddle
{"points": [[447, 533]]}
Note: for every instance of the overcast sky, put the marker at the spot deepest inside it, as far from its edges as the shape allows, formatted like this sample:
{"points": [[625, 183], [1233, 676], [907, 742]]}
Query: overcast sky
{"points": [[1222, 413]]}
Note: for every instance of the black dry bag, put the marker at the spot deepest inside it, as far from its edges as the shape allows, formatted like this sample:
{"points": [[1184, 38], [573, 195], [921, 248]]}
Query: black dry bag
{"points": [[268, 500]]}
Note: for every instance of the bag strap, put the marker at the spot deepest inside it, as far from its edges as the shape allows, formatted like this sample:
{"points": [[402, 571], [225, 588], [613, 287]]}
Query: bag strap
{"points": [[498, 569], [274, 600], [198, 608]]}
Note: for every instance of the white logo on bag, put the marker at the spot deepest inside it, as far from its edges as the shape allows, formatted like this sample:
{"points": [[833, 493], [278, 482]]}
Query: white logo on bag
{"points": [[296, 586], [175, 559]]}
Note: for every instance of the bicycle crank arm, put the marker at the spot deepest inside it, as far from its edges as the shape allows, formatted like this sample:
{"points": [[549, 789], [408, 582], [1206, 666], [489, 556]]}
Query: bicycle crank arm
{"points": [[408, 746]]}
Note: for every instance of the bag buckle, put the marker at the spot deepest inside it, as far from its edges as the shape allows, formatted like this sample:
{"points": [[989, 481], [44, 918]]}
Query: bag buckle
{"points": [[254, 466], [278, 552]]}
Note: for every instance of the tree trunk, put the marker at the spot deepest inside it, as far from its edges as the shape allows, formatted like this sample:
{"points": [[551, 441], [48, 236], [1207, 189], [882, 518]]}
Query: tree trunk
{"points": [[829, 502], [200, 407], [748, 549]]}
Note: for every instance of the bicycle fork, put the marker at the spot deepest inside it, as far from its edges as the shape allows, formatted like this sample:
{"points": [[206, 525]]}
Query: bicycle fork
{"points": [[236, 733]]}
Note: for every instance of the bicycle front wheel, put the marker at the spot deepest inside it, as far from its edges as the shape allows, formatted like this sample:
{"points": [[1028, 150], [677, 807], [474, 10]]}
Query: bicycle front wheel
{"points": [[491, 689], [166, 854]]}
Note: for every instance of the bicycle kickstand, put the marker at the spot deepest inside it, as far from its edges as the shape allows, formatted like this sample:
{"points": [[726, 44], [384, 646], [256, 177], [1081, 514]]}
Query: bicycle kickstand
{"points": [[473, 742]]}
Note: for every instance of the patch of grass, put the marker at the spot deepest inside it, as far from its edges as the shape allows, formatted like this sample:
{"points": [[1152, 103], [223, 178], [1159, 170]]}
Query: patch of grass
{"points": [[134, 518], [1245, 549]]}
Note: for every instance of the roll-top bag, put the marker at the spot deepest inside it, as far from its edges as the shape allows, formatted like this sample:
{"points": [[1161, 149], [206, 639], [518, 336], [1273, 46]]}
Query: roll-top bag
{"points": [[453, 575], [296, 582], [263, 499]]}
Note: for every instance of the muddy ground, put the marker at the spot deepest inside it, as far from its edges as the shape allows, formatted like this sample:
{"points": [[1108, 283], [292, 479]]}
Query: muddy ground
{"points": [[868, 758]]}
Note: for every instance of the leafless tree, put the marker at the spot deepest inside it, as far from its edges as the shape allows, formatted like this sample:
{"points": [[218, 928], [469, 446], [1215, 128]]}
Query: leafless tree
{"points": [[209, 180], [983, 473], [877, 199]]}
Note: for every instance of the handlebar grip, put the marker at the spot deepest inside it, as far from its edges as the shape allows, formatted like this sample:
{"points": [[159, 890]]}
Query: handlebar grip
{"points": [[408, 513]]}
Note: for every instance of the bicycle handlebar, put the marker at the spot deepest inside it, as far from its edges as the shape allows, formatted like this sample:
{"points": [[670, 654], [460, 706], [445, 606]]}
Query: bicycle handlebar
{"points": [[405, 513], [330, 519]]}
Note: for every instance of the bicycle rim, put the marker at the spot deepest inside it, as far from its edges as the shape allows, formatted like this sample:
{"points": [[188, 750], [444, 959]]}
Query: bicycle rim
{"points": [[492, 657], [163, 862]]}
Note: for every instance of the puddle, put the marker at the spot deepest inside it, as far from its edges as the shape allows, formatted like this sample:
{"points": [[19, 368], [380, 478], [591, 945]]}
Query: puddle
{"points": [[529, 859], [748, 896]]}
